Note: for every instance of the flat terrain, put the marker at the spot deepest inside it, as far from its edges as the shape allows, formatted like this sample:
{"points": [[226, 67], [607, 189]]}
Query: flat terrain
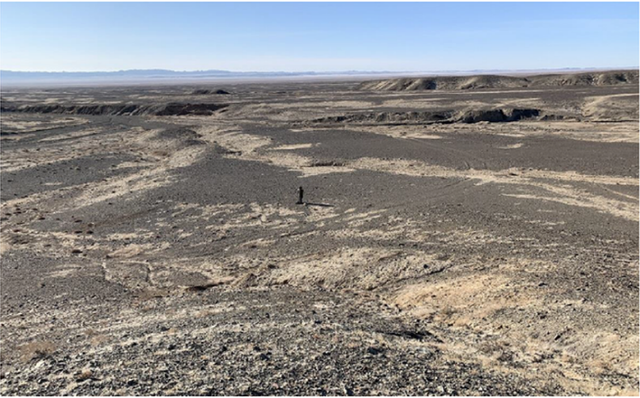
{"points": [[473, 240]]}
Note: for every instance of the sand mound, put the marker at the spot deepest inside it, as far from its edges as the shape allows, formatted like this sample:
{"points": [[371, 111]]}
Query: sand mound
{"points": [[495, 81]]}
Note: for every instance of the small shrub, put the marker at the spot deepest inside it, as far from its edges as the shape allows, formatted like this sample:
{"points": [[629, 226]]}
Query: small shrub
{"points": [[37, 350], [85, 374]]}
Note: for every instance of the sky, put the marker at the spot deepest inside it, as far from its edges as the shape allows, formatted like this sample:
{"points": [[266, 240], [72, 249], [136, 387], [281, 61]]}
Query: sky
{"points": [[294, 37]]}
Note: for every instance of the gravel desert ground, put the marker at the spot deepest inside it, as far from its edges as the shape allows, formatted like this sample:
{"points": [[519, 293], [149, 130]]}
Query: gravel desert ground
{"points": [[459, 236]]}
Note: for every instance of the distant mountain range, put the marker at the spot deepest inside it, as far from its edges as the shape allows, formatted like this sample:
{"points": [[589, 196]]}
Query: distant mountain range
{"points": [[141, 76]]}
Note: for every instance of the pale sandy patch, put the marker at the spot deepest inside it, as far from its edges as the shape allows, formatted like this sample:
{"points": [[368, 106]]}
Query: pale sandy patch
{"points": [[512, 146], [477, 304], [75, 134], [292, 147], [422, 103], [580, 199], [611, 107], [621, 131], [245, 147], [408, 131], [64, 271], [16, 123], [563, 193], [568, 195], [4, 245], [364, 267]]}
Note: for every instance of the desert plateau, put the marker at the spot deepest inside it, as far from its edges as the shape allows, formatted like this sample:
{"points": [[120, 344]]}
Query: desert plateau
{"points": [[459, 235]]}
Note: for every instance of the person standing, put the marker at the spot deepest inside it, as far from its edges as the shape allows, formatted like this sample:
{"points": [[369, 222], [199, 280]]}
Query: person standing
{"points": [[300, 194]]}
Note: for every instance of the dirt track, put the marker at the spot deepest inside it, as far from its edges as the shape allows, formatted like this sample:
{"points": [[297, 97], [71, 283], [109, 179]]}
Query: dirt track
{"points": [[148, 252]]}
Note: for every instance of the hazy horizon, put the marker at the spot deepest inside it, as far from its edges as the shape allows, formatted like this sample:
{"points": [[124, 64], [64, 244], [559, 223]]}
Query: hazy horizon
{"points": [[568, 68], [168, 77]]}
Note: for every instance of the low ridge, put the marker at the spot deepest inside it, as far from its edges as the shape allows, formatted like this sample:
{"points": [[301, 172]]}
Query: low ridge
{"points": [[495, 81]]}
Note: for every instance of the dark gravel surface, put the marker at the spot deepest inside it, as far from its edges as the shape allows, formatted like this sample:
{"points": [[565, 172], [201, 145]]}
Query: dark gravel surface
{"points": [[166, 254], [278, 342]]}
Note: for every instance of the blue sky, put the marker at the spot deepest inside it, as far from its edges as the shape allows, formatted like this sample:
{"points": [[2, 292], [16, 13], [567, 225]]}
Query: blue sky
{"points": [[316, 36]]}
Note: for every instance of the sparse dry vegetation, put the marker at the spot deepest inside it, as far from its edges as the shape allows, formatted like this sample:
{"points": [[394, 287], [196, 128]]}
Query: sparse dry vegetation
{"points": [[37, 350]]}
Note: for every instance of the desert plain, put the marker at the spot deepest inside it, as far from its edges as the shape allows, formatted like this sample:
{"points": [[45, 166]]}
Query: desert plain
{"points": [[469, 235]]}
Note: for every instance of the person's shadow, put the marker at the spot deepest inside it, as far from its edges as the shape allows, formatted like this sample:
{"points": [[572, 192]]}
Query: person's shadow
{"points": [[317, 204]]}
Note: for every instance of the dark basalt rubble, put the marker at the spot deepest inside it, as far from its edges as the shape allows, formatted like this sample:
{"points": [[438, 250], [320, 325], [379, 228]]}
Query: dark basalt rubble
{"points": [[444, 116], [169, 109]]}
